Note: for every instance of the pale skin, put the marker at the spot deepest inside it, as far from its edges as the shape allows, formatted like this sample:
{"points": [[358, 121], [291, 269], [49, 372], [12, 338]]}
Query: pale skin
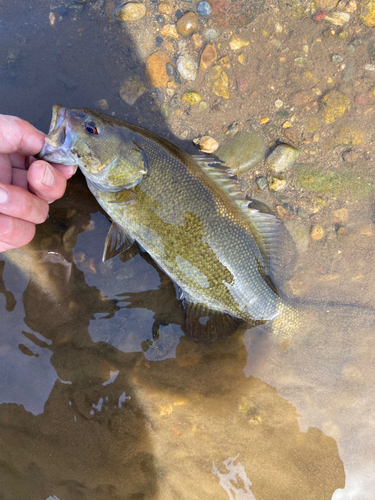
{"points": [[27, 186]]}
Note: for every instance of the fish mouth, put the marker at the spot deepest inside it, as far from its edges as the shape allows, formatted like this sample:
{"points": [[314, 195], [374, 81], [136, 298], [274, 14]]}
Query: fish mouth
{"points": [[58, 142]]}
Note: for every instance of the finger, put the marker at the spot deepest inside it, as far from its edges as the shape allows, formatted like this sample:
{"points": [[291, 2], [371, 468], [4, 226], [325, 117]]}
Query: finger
{"points": [[19, 203], [19, 161], [45, 181], [5, 169], [19, 178], [67, 172], [19, 136], [15, 233]]}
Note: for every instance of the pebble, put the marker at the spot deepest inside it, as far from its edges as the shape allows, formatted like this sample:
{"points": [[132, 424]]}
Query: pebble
{"points": [[232, 129], [165, 8], [130, 11], [204, 8], [350, 156], [362, 101], [366, 11], [262, 183], [132, 88], [243, 151], [337, 59], [208, 56], [202, 106], [282, 157], [317, 232], [241, 59], [277, 184], [326, 5], [369, 67], [208, 144], [187, 24], [219, 82], [192, 97], [160, 20], [346, 136], [210, 34], [351, 6], [102, 104], [278, 103], [334, 106], [156, 70], [187, 67], [169, 30], [237, 43], [170, 69], [338, 18], [243, 84], [319, 16], [197, 41], [297, 9]]}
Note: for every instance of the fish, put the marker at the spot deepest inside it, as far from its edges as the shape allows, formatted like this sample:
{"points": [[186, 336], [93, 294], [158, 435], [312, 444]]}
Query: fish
{"points": [[188, 213]]}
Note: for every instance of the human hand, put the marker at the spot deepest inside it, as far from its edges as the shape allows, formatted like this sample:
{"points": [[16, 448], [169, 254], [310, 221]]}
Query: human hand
{"points": [[27, 186]]}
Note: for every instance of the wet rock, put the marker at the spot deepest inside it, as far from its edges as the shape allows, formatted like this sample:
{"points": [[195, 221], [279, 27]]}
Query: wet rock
{"points": [[210, 34], [130, 11], [237, 43], [346, 136], [243, 152], [132, 88], [334, 105], [262, 183], [204, 8], [350, 156], [243, 84], [297, 9], [219, 82], [202, 106], [232, 129], [366, 11], [208, 144], [187, 67], [102, 104], [192, 98], [277, 184], [165, 8], [156, 70], [282, 157], [187, 24], [317, 232], [319, 16], [197, 41], [169, 30], [338, 18], [225, 62], [235, 14], [336, 59], [298, 232], [311, 124], [208, 56], [314, 179]]}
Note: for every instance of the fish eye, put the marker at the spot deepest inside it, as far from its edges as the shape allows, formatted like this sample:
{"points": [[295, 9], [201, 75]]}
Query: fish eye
{"points": [[92, 128]]}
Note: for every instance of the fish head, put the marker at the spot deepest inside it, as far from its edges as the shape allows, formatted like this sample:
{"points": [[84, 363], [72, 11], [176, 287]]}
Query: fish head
{"points": [[104, 148]]}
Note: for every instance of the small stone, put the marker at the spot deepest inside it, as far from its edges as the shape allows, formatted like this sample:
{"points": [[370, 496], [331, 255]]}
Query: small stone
{"points": [[208, 144], [362, 101], [241, 59], [192, 97], [131, 89], [219, 82], [369, 67], [350, 156], [346, 136], [210, 34], [170, 69], [277, 184], [319, 16], [169, 30], [341, 215], [197, 41], [204, 8], [156, 70], [187, 67], [187, 24], [237, 43], [243, 84], [282, 157], [208, 56], [366, 10], [338, 18], [225, 62], [278, 103], [317, 91], [334, 105], [202, 106], [351, 6], [292, 135], [243, 151], [102, 104], [165, 110], [337, 59], [165, 8], [297, 9], [264, 119], [130, 11], [326, 5], [52, 19], [262, 183], [317, 232], [232, 129]]}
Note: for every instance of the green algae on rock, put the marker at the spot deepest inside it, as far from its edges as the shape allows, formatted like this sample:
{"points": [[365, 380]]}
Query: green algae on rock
{"points": [[366, 10], [313, 178], [334, 105], [243, 151]]}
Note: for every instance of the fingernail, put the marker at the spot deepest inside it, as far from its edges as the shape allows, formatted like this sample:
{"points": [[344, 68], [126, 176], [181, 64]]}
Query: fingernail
{"points": [[49, 177], [3, 196]]}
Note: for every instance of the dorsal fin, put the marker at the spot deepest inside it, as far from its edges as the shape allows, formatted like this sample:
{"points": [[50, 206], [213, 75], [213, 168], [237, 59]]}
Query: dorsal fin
{"points": [[269, 232]]}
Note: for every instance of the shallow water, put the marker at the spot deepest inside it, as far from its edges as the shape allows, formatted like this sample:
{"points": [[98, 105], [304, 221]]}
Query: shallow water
{"points": [[102, 395]]}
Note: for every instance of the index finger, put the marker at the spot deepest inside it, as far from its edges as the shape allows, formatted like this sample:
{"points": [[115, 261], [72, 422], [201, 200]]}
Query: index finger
{"points": [[19, 136]]}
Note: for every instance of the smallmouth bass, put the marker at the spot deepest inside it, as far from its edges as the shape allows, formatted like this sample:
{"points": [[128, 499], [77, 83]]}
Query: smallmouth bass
{"points": [[189, 216]]}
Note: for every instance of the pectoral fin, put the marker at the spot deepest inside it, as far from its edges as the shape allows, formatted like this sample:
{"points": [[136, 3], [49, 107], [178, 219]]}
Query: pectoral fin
{"points": [[124, 197], [118, 240], [205, 325]]}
